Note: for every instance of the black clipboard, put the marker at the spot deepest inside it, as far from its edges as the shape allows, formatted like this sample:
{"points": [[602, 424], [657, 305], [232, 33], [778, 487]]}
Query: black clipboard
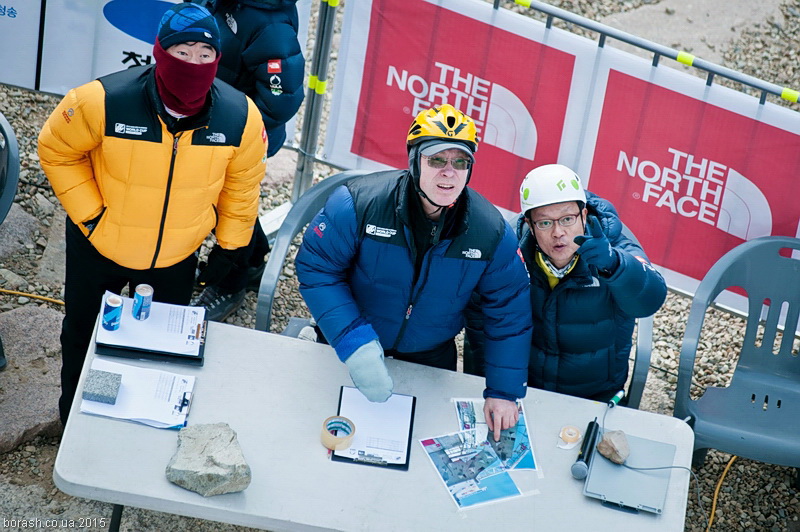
{"points": [[128, 349], [370, 455], [149, 354]]}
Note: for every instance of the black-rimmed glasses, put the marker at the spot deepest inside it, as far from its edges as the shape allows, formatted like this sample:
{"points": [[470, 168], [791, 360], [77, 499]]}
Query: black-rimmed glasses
{"points": [[564, 221]]}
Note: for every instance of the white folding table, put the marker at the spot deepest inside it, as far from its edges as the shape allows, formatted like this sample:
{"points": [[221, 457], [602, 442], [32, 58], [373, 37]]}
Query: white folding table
{"points": [[276, 391]]}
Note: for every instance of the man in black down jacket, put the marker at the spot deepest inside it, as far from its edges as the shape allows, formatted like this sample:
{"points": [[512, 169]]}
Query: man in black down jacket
{"points": [[588, 284]]}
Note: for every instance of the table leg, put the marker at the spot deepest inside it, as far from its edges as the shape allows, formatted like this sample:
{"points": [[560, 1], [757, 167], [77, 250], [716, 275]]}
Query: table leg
{"points": [[116, 517]]}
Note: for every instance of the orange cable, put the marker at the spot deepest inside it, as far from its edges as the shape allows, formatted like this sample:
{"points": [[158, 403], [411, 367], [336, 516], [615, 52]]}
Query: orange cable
{"points": [[716, 492], [49, 299]]}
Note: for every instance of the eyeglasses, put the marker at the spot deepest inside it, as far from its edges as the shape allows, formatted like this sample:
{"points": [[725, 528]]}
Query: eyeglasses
{"points": [[441, 162], [564, 221]]}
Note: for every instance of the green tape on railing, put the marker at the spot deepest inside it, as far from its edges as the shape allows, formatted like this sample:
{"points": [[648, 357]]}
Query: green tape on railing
{"points": [[790, 94], [685, 58], [333, 3], [524, 3], [312, 82], [321, 87]]}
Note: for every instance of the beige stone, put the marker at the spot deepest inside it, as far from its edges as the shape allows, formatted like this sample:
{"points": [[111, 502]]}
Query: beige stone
{"points": [[614, 446]]}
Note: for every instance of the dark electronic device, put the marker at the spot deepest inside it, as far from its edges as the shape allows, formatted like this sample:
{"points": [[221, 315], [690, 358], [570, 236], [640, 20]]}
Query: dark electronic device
{"points": [[581, 466]]}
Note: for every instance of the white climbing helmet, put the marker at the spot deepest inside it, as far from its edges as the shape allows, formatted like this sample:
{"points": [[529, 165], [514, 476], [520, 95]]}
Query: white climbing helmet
{"points": [[549, 184]]}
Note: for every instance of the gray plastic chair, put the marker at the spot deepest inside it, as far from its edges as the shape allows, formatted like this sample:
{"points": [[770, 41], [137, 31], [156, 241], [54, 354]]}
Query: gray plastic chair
{"points": [[757, 415], [301, 213], [9, 174], [9, 166]]}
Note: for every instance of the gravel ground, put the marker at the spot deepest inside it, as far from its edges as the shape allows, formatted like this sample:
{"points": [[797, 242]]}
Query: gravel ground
{"points": [[754, 496]]}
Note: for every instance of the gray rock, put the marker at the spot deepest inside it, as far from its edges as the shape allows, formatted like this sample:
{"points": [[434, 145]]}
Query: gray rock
{"points": [[102, 386], [52, 267], [43, 205], [30, 385], [17, 232], [614, 446], [209, 461], [12, 280], [281, 167]]}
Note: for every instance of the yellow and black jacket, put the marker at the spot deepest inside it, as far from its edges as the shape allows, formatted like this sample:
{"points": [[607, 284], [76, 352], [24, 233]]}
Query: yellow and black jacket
{"points": [[160, 184]]}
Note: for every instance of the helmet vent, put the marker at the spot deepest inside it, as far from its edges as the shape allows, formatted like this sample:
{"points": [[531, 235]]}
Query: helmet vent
{"points": [[443, 122]]}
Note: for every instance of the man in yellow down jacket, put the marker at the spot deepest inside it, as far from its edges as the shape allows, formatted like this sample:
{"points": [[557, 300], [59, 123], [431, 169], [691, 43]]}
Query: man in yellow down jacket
{"points": [[147, 162]]}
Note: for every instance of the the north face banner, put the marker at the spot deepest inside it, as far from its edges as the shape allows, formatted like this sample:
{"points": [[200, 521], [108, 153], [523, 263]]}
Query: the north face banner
{"points": [[694, 170], [693, 180], [451, 58]]}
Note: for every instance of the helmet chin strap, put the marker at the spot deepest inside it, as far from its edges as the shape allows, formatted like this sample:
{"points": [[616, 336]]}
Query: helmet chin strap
{"points": [[429, 200]]}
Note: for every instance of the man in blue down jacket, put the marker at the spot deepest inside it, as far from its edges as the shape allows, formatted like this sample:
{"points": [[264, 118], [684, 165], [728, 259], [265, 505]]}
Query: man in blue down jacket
{"points": [[391, 260], [588, 284], [262, 57]]}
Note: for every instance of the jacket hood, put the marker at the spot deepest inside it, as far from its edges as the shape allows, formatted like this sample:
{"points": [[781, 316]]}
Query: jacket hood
{"points": [[606, 213]]}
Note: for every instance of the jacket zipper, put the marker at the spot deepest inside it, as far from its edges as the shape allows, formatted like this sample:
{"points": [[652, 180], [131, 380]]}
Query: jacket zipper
{"points": [[166, 199], [414, 297]]}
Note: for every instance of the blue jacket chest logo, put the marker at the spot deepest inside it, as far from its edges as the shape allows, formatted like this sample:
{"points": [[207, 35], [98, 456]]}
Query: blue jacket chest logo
{"points": [[385, 232]]}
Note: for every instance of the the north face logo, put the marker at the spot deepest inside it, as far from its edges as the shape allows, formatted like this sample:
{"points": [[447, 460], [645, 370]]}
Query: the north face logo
{"points": [[502, 118], [694, 187], [219, 138], [472, 253]]}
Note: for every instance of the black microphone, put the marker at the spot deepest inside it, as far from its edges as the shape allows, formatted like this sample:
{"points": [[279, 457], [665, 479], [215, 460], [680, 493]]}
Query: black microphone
{"points": [[580, 469]]}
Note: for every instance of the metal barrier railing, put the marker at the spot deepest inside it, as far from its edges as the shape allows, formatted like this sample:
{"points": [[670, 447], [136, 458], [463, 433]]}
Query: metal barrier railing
{"points": [[317, 87]]}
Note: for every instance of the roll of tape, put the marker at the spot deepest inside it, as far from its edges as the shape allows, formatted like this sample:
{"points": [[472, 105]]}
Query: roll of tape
{"points": [[570, 434], [337, 433]]}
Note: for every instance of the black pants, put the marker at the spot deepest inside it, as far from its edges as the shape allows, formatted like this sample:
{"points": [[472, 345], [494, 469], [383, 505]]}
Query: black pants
{"points": [[444, 356], [89, 274], [251, 257]]}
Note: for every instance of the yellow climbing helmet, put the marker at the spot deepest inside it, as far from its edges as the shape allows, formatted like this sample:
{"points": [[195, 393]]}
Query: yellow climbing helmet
{"points": [[443, 122]]}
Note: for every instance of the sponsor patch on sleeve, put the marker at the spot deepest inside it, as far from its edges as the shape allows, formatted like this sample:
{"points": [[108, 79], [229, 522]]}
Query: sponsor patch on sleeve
{"points": [[645, 263]]}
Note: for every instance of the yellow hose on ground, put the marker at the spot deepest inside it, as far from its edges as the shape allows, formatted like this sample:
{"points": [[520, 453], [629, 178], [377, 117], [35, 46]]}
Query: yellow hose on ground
{"points": [[716, 492], [43, 298]]}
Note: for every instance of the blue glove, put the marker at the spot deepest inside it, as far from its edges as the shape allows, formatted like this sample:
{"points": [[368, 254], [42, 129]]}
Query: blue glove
{"points": [[369, 373], [595, 249]]}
